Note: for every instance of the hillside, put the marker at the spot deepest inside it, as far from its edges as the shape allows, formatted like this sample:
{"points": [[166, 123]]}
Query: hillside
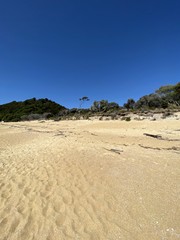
{"points": [[29, 109]]}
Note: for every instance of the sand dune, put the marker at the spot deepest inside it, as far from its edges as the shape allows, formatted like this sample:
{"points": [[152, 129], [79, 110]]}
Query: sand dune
{"points": [[89, 180]]}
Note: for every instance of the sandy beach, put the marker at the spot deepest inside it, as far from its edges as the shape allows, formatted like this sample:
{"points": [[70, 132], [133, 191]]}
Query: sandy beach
{"points": [[90, 180]]}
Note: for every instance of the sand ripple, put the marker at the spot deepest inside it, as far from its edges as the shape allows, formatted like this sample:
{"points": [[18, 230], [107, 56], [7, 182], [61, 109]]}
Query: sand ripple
{"points": [[68, 186]]}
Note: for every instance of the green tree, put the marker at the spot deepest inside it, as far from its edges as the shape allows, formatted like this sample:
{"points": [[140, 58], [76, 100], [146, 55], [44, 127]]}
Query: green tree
{"points": [[177, 93], [170, 93], [130, 104], [103, 106], [165, 91], [82, 100]]}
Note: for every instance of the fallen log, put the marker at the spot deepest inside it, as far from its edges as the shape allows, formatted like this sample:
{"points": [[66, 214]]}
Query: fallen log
{"points": [[147, 147], [176, 149], [114, 150], [160, 137], [153, 135]]}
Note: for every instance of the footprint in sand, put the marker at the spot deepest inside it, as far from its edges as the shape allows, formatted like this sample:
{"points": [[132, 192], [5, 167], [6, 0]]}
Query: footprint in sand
{"points": [[60, 219], [26, 191], [59, 206], [3, 224], [14, 225]]}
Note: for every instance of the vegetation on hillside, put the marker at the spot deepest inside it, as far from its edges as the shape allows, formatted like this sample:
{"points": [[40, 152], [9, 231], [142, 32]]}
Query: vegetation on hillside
{"points": [[29, 110], [166, 97]]}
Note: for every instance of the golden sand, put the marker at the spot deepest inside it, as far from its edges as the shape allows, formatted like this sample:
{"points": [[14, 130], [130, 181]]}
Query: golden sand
{"points": [[90, 180]]}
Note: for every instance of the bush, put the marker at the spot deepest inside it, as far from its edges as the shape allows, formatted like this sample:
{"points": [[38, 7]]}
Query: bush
{"points": [[126, 119]]}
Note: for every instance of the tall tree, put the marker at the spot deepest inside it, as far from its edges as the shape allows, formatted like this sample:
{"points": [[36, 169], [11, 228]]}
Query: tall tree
{"points": [[130, 104], [82, 100]]}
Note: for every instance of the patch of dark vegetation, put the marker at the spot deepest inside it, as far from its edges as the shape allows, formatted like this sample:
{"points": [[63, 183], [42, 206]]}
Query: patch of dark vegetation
{"points": [[127, 119], [31, 109]]}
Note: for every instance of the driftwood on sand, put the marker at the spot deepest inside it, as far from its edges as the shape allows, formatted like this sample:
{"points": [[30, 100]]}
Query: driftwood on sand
{"points": [[159, 137], [153, 135]]}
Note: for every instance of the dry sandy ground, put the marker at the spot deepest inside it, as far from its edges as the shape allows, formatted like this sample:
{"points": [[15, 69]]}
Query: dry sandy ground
{"points": [[90, 180]]}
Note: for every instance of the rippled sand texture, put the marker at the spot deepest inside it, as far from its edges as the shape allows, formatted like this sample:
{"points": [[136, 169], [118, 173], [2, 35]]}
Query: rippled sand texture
{"points": [[89, 180]]}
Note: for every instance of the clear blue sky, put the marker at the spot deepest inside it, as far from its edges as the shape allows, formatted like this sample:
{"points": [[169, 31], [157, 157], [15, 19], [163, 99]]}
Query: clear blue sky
{"points": [[65, 49]]}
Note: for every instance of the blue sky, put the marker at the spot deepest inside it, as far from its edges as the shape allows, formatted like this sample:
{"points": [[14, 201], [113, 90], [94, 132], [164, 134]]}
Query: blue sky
{"points": [[65, 49]]}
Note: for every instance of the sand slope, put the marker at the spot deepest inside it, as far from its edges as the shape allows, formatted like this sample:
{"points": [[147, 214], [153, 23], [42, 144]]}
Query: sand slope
{"points": [[89, 180]]}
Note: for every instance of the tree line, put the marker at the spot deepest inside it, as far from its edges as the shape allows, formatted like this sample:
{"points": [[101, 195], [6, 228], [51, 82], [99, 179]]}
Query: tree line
{"points": [[166, 97]]}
